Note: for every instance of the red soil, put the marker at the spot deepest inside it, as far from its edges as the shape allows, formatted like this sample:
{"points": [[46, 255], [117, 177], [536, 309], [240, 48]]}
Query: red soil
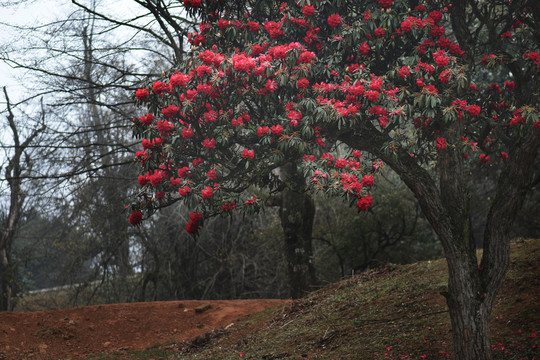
{"points": [[77, 333]]}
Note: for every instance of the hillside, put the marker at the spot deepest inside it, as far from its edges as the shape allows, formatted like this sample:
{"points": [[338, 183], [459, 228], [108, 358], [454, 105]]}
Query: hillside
{"points": [[394, 312]]}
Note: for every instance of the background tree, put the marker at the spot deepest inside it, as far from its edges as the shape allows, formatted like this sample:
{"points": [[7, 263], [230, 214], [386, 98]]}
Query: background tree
{"points": [[19, 165], [232, 115]]}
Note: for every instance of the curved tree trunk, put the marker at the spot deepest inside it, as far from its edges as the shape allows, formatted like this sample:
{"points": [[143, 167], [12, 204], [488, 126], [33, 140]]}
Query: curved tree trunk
{"points": [[297, 212]]}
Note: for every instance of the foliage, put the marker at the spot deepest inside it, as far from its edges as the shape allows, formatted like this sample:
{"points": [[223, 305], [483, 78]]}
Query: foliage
{"points": [[233, 113]]}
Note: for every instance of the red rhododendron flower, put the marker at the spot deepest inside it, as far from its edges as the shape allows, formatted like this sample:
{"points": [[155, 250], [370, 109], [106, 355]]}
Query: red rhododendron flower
{"points": [[430, 89], [404, 72], [334, 20], [372, 95], [306, 57], [169, 111], [197, 162], [141, 94], [184, 191], [294, 115], [228, 206], [440, 57], [364, 203], [308, 10], [207, 192], [486, 59], [445, 76], [160, 87], [187, 132], [193, 3], [379, 32], [277, 130], [253, 26], [406, 26], [211, 174], [385, 3], [484, 158], [509, 85], [474, 110], [368, 180], [143, 180], [209, 143], [303, 83], [135, 217], [440, 142], [261, 130], [164, 126], [248, 154], [383, 121], [273, 28], [183, 172], [363, 48], [179, 80], [436, 16], [341, 163], [191, 227]]}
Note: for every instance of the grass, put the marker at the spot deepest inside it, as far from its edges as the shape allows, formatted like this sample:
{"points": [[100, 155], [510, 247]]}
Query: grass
{"points": [[395, 312]]}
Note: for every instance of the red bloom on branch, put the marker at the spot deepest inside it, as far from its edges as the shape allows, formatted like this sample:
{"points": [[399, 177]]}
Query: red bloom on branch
{"points": [[440, 142], [211, 174], [368, 180], [187, 132], [308, 10], [334, 20], [184, 191], [277, 129], [169, 111], [142, 94], [248, 154], [484, 158], [261, 130], [135, 218], [363, 48], [207, 192], [191, 227], [273, 28], [379, 32], [436, 16], [364, 203], [306, 57], [209, 143], [253, 26], [474, 110], [302, 83], [406, 26], [385, 3]]}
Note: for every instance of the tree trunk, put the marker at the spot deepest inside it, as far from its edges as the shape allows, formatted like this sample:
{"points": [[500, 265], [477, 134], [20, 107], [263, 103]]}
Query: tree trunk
{"points": [[297, 212], [6, 279], [469, 310]]}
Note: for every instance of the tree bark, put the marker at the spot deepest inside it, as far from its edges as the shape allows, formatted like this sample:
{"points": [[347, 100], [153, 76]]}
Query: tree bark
{"points": [[297, 212]]}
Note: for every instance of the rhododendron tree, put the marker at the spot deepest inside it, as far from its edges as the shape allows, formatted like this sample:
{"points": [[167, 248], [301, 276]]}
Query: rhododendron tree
{"points": [[320, 95]]}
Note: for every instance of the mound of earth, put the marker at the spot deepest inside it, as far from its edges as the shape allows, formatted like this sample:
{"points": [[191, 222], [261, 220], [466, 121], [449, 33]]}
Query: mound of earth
{"points": [[79, 332]]}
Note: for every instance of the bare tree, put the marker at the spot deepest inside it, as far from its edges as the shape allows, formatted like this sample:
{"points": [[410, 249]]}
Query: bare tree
{"points": [[16, 169]]}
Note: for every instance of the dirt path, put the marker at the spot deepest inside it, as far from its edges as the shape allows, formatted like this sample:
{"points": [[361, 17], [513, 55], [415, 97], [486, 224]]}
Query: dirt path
{"points": [[76, 333]]}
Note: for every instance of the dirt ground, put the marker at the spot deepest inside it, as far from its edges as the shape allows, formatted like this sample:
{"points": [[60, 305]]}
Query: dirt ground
{"points": [[77, 333]]}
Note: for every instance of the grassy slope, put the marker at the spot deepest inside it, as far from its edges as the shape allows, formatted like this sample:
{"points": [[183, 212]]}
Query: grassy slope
{"points": [[392, 313]]}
